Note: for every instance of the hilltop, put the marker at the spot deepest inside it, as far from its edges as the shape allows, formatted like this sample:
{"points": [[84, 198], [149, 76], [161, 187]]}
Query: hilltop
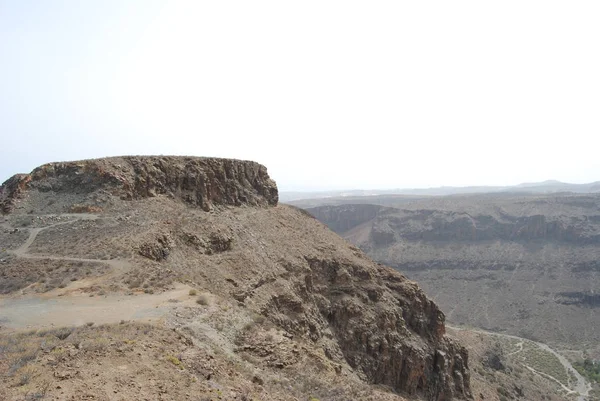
{"points": [[183, 278]]}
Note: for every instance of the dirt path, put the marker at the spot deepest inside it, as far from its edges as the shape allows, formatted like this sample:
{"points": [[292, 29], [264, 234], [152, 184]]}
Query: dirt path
{"points": [[33, 232], [582, 387], [33, 311], [520, 346], [552, 378], [66, 307], [117, 265]]}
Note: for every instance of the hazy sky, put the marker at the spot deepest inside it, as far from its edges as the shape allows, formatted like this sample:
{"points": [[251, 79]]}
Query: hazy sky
{"points": [[326, 94]]}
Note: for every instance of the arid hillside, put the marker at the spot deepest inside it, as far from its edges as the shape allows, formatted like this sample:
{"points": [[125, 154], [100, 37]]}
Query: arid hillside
{"points": [[521, 264], [174, 278]]}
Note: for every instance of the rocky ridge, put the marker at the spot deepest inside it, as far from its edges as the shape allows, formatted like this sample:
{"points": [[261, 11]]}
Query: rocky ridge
{"points": [[259, 258], [202, 182], [446, 225]]}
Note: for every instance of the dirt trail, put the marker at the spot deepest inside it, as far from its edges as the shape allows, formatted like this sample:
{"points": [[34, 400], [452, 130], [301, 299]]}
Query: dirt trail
{"points": [[118, 265], [68, 307], [552, 378], [520, 345], [34, 311], [582, 387], [33, 232]]}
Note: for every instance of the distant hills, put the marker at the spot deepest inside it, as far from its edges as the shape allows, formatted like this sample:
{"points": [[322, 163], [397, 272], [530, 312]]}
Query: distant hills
{"points": [[549, 186], [522, 263]]}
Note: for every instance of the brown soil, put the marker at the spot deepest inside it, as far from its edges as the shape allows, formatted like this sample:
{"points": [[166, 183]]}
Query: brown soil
{"points": [[206, 346]]}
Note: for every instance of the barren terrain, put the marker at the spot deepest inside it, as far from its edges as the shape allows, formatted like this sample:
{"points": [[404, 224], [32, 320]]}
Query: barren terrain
{"points": [[522, 264], [180, 278]]}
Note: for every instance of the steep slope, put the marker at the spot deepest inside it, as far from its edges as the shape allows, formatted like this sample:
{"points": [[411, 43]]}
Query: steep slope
{"points": [[526, 265], [285, 305]]}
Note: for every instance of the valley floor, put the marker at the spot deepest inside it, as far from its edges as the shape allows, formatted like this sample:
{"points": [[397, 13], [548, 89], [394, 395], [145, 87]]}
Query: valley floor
{"points": [[538, 358]]}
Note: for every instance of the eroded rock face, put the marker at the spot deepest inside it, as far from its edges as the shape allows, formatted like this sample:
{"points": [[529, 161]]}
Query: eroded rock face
{"points": [[435, 225], [202, 182], [157, 248], [11, 190], [381, 323]]}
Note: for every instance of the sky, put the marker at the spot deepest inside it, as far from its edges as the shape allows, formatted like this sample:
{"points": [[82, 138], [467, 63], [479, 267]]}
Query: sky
{"points": [[327, 94]]}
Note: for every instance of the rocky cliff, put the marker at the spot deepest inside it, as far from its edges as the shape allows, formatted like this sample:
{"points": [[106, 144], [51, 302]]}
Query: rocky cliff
{"points": [[376, 320], [202, 182], [143, 219], [525, 264], [389, 224]]}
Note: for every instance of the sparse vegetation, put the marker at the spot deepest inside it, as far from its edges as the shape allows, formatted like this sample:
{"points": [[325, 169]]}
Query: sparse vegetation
{"points": [[78, 208], [43, 275], [25, 375], [544, 362], [30, 361], [203, 299], [589, 369], [513, 382], [175, 361]]}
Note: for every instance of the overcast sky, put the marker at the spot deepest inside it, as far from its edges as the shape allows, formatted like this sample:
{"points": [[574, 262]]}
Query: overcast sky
{"points": [[326, 94]]}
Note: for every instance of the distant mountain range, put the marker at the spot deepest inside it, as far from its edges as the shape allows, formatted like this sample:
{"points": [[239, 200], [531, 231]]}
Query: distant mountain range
{"points": [[549, 186]]}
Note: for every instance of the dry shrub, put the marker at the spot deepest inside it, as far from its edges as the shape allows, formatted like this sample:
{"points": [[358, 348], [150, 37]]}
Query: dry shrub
{"points": [[78, 208], [203, 299]]}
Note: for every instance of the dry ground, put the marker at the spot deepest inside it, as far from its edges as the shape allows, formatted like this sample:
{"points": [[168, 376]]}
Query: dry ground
{"points": [[153, 297], [506, 367], [129, 305]]}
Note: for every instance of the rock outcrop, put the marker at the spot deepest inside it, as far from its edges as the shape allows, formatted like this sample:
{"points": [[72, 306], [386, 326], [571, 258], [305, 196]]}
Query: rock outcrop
{"points": [[202, 182], [276, 262], [11, 190], [382, 324]]}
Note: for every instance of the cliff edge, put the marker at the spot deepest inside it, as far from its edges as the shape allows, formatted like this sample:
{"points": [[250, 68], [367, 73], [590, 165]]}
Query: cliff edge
{"points": [[198, 181]]}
